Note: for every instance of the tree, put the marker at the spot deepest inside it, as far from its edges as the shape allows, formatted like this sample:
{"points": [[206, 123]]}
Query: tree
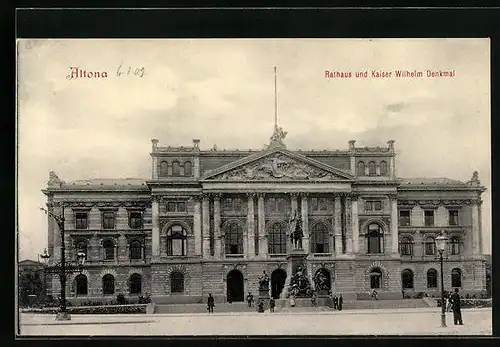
{"points": [[29, 284]]}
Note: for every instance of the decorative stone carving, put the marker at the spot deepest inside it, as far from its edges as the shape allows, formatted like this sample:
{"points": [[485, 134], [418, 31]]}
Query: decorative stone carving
{"points": [[54, 180], [276, 139], [277, 167]]}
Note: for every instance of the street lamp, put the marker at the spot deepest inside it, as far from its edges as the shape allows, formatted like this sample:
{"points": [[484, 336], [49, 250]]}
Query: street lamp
{"points": [[441, 245], [62, 269]]}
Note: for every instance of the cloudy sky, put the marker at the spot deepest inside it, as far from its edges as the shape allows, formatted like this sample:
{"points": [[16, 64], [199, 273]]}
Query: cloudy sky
{"points": [[222, 92]]}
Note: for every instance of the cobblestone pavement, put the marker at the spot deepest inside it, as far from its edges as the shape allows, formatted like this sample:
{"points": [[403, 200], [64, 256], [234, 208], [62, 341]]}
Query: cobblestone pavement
{"points": [[356, 322]]}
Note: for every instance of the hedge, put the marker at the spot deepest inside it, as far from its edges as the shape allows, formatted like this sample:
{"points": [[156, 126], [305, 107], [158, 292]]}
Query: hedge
{"points": [[471, 303], [107, 309]]}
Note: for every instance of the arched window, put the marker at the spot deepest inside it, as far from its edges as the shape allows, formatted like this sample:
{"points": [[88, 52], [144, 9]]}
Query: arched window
{"points": [[176, 282], [372, 168], [432, 276], [456, 278], [81, 246], [376, 278], [407, 279], [187, 168], [430, 246], [109, 250], [163, 169], [361, 168], [234, 239], [108, 284], [374, 238], [135, 249], [277, 239], [135, 283], [383, 168], [176, 169], [406, 246], [320, 237], [176, 240], [455, 245], [81, 284]]}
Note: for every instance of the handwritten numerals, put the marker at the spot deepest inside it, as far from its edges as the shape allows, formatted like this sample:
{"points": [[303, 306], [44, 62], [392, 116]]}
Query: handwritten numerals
{"points": [[130, 71]]}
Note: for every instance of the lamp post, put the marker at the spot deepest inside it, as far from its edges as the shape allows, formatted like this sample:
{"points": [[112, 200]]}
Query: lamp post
{"points": [[441, 245], [62, 269]]}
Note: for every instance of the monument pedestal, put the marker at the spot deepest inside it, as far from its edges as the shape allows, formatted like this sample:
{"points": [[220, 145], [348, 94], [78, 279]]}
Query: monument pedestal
{"points": [[295, 259]]}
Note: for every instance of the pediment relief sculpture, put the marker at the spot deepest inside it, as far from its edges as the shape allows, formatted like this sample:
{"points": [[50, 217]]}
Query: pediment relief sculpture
{"points": [[277, 167]]}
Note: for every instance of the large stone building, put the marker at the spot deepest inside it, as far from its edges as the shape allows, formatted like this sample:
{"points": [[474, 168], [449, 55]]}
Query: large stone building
{"points": [[210, 221]]}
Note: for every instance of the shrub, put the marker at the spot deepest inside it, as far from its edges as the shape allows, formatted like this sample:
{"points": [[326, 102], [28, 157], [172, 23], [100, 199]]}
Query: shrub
{"points": [[115, 309], [120, 299], [471, 303]]}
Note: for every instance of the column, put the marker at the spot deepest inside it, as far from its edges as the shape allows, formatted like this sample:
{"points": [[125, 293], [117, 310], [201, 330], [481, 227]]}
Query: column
{"points": [[348, 222], [394, 225], [262, 226], [295, 208], [205, 226], [196, 166], [197, 226], [338, 225], [217, 233], [250, 239], [355, 224], [304, 201], [475, 229], [155, 222]]}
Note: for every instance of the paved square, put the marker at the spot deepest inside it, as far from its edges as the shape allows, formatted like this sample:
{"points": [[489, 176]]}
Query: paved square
{"points": [[355, 322]]}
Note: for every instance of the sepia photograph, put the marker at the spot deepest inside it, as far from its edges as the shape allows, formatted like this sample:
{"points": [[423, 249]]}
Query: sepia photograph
{"points": [[253, 187]]}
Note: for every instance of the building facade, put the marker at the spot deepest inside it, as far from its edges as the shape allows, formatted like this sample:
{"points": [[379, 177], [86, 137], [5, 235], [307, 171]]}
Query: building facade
{"points": [[211, 221]]}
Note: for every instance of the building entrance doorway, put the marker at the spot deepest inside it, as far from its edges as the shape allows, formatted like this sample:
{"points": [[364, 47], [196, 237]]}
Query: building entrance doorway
{"points": [[278, 278], [235, 287]]}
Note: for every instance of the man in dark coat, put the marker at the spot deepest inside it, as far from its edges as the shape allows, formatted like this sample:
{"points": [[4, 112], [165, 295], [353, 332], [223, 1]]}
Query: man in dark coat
{"points": [[457, 313], [250, 299], [210, 303], [272, 304], [335, 302], [341, 301]]}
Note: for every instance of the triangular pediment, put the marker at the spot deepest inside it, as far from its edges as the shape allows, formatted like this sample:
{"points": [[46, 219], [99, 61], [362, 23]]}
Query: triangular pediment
{"points": [[277, 165]]}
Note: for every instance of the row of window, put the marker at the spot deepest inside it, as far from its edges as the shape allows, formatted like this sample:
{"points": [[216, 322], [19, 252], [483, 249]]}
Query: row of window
{"points": [[177, 169], [406, 246], [407, 278], [134, 284], [136, 249], [108, 220], [108, 284], [405, 218], [372, 169]]}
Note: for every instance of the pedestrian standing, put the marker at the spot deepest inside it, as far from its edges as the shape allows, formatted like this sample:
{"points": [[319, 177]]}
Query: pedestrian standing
{"points": [[250, 299], [210, 303], [272, 304], [335, 302], [229, 297], [313, 300], [457, 313], [341, 301], [450, 303]]}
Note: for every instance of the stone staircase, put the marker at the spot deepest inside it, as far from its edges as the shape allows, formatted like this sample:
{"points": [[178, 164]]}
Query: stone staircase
{"points": [[384, 304], [302, 305], [202, 308]]}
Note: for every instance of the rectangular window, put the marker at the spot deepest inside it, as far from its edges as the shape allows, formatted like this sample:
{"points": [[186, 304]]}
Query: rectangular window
{"points": [[404, 218], [281, 205], [176, 206], [108, 220], [373, 205], [314, 204], [135, 220], [171, 207], [322, 204], [453, 217], [81, 219], [429, 218]]}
